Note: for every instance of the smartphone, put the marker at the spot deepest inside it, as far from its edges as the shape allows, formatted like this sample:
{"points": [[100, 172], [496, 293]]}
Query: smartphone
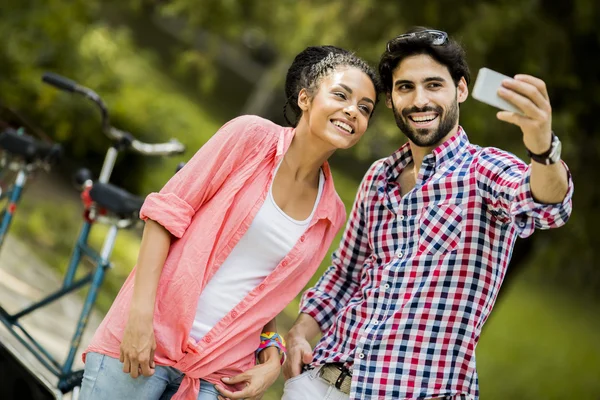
{"points": [[486, 90]]}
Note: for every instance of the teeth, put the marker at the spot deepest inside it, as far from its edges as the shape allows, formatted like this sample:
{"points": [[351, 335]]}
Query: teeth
{"points": [[343, 125], [423, 119]]}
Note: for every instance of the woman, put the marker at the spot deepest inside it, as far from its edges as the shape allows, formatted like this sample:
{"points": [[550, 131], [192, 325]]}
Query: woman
{"points": [[229, 241]]}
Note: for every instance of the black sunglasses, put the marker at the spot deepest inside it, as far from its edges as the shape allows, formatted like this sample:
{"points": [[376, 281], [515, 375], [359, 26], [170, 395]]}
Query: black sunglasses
{"points": [[434, 37]]}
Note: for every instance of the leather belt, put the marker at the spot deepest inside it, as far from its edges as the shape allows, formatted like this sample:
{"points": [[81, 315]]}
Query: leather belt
{"points": [[337, 375]]}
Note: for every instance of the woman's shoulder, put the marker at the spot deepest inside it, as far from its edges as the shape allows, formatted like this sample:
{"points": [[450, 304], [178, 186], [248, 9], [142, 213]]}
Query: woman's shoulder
{"points": [[252, 123]]}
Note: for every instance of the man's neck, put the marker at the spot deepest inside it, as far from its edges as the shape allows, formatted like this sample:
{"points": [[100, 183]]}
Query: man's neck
{"points": [[418, 152]]}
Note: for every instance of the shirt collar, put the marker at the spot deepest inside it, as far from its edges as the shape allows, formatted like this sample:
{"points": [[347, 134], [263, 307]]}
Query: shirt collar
{"points": [[453, 146]]}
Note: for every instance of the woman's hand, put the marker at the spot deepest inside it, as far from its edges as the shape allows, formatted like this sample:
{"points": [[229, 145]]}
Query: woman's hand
{"points": [[257, 379], [137, 346]]}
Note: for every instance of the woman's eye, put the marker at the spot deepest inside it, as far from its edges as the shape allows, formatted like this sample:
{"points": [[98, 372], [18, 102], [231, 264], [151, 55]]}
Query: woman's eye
{"points": [[340, 95], [366, 110]]}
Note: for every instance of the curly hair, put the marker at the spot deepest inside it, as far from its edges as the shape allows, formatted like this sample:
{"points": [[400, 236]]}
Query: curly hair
{"points": [[451, 54], [310, 67]]}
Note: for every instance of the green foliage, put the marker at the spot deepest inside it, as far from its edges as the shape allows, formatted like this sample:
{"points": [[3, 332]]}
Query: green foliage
{"points": [[160, 85]]}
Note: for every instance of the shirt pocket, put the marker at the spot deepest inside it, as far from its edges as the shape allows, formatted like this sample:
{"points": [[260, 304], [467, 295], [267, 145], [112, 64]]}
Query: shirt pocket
{"points": [[440, 228]]}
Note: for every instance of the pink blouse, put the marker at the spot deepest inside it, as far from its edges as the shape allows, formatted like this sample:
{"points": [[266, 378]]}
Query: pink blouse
{"points": [[207, 207]]}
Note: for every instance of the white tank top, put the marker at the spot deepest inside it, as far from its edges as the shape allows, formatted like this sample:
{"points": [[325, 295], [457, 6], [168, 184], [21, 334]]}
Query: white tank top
{"points": [[270, 237]]}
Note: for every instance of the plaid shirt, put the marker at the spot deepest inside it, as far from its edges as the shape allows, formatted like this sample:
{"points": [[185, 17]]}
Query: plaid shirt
{"points": [[416, 277]]}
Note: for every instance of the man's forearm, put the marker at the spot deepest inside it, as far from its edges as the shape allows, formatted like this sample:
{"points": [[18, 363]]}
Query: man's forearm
{"points": [[306, 327], [549, 183]]}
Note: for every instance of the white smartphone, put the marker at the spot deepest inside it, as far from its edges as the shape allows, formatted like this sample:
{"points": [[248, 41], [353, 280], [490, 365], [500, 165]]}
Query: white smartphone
{"points": [[486, 90]]}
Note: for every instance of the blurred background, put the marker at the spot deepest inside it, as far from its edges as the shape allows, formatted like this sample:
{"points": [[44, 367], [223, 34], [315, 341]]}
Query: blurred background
{"points": [[181, 68]]}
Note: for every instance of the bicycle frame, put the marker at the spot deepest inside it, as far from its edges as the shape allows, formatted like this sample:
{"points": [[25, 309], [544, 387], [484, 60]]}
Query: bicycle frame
{"points": [[13, 195], [66, 377]]}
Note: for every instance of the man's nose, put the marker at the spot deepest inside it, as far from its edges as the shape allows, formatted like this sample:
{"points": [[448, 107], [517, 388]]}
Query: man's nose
{"points": [[421, 99]]}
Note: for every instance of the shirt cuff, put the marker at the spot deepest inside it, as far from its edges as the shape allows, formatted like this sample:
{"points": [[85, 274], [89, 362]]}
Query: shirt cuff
{"points": [[527, 214], [173, 213], [319, 308]]}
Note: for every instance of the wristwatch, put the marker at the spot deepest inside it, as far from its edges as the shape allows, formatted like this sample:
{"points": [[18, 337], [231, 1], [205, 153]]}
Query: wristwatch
{"points": [[551, 156]]}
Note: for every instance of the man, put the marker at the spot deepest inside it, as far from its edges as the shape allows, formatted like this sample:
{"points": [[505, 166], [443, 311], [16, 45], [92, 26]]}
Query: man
{"points": [[428, 240]]}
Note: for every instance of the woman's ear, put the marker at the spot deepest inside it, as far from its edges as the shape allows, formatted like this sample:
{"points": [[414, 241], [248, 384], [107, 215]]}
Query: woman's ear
{"points": [[303, 100]]}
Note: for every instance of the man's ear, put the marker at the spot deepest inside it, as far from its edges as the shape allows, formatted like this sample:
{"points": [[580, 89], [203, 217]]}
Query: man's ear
{"points": [[303, 99], [462, 90], [388, 100]]}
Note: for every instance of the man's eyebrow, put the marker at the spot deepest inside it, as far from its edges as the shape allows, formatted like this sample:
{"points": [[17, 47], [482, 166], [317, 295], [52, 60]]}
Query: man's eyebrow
{"points": [[428, 79], [402, 82], [434, 78]]}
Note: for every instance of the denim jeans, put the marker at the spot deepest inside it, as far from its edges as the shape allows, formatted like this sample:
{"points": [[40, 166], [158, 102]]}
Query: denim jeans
{"points": [[309, 386], [104, 379]]}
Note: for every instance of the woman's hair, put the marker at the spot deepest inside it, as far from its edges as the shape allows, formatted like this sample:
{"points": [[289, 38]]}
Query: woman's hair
{"points": [[310, 67], [450, 54]]}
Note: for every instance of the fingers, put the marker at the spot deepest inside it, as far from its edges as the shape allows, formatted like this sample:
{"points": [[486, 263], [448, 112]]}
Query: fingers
{"points": [[152, 363], [298, 356], [537, 82], [511, 117], [242, 394], [145, 367], [236, 379], [533, 102], [134, 370], [307, 357], [126, 365]]}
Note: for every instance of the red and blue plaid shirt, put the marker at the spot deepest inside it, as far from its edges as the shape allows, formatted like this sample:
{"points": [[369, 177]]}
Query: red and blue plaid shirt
{"points": [[416, 277]]}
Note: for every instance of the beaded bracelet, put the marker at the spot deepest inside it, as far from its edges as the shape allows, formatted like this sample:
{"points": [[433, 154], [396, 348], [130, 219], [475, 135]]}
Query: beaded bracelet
{"points": [[272, 339]]}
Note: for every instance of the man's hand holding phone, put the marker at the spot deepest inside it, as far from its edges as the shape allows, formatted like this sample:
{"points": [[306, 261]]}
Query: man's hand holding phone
{"points": [[525, 102]]}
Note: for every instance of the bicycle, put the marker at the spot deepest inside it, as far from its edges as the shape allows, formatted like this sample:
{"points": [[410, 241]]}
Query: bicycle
{"points": [[103, 203], [21, 154]]}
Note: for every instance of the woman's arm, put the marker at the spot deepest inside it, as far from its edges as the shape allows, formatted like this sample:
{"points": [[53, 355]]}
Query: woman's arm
{"points": [[138, 344]]}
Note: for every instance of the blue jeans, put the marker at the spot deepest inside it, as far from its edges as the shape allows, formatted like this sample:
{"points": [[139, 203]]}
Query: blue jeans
{"points": [[104, 379]]}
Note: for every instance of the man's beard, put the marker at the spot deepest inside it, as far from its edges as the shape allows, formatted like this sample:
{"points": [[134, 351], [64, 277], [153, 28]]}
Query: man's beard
{"points": [[427, 137]]}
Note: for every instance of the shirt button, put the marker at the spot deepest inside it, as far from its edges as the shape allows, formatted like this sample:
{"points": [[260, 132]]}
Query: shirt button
{"points": [[521, 224], [361, 355], [207, 339], [400, 254], [261, 286], [284, 263], [386, 286], [401, 218], [234, 314], [302, 238]]}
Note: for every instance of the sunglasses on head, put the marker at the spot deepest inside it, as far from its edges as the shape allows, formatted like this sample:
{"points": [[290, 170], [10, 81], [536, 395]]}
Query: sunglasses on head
{"points": [[434, 37]]}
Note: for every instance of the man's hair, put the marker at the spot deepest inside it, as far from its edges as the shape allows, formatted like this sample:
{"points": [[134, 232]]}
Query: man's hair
{"points": [[312, 65], [450, 54]]}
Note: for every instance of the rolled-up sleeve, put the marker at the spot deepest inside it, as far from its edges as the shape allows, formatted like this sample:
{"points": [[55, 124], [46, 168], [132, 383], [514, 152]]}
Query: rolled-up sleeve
{"points": [[504, 182], [528, 214], [177, 202]]}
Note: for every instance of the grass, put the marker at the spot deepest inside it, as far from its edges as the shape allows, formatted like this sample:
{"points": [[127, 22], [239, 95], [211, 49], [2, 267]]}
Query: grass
{"points": [[540, 344]]}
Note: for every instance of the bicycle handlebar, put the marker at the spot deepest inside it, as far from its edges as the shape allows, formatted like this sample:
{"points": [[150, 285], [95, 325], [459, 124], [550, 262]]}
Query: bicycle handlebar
{"points": [[171, 147], [60, 82]]}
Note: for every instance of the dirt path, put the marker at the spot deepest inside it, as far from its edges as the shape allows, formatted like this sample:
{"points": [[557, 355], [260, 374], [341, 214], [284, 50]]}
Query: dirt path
{"points": [[25, 278]]}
